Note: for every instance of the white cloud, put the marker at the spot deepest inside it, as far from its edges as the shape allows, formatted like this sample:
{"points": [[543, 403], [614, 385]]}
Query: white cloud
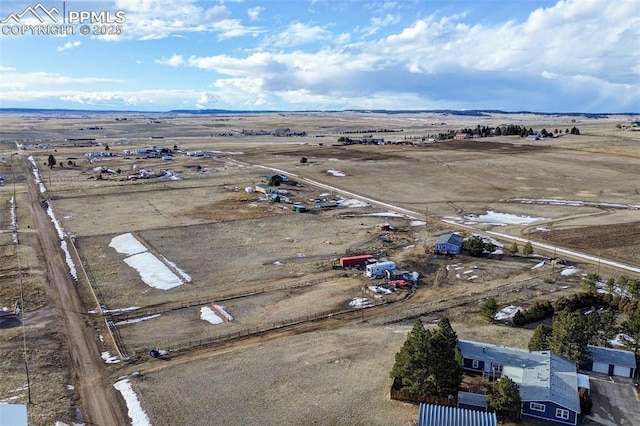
{"points": [[6, 68], [254, 12], [174, 61], [297, 34], [69, 45], [158, 19]]}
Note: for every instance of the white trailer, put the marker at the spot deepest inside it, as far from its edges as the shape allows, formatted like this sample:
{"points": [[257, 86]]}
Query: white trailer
{"points": [[377, 270]]}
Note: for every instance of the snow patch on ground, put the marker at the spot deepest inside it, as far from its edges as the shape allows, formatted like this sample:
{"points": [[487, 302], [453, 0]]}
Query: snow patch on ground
{"points": [[208, 314], [506, 313], [352, 203], [336, 173], [135, 320], [127, 244], [360, 302], [153, 272], [568, 271], [135, 411], [538, 265], [108, 358]]}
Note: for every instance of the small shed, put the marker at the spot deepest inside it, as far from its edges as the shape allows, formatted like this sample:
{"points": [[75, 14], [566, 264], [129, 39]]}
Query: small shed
{"points": [[449, 244], [299, 208], [613, 362], [440, 415], [265, 189]]}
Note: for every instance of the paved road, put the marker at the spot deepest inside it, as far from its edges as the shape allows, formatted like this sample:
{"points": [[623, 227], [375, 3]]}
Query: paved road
{"points": [[99, 401]]}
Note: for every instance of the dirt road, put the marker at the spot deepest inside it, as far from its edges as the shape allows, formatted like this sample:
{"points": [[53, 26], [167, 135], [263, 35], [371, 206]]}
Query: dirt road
{"points": [[99, 401]]}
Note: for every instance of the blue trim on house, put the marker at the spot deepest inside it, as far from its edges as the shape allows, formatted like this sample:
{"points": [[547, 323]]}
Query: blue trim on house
{"points": [[549, 415]]}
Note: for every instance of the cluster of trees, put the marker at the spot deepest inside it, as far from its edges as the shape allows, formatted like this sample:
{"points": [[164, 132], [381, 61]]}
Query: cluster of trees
{"points": [[429, 362], [476, 246]]}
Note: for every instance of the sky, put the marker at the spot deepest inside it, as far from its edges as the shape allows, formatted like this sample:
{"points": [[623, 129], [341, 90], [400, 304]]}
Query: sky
{"points": [[297, 55]]}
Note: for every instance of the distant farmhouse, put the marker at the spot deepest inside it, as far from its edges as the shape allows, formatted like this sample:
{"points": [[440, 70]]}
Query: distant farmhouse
{"points": [[449, 244]]}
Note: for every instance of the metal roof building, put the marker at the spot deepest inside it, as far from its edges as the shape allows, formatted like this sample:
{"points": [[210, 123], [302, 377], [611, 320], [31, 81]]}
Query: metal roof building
{"points": [[614, 362], [449, 244], [440, 415]]}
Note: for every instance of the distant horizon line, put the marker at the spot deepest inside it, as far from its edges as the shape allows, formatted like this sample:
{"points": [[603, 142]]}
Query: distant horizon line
{"points": [[463, 112]]}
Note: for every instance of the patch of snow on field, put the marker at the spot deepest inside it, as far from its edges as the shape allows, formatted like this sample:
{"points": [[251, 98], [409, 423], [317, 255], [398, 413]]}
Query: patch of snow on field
{"points": [[183, 274], [127, 244], [473, 277], [620, 339], [69, 260], [137, 415], [506, 313], [576, 203], [135, 320], [208, 314], [568, 271], [385, 214], [497, 218], [222, 310], [350, 202], [417, 223], [109, 359], [153, 272], [56, 224], [359, 302], [538, 265], [336, 173], [36, 174], [130, 308], [14, 221]]}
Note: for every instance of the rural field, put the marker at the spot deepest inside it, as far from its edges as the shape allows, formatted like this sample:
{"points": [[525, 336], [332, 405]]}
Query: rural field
{"points": [[176, 253]]}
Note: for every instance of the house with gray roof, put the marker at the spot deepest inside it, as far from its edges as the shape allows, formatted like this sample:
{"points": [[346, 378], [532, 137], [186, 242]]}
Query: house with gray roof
{"points": [[548, 382], [449, 244], [613, 362]]}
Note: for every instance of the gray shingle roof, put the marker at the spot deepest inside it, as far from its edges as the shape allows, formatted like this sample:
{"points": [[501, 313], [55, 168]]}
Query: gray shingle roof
{"points": [[451, 239], [541, 375], [612, 356]]}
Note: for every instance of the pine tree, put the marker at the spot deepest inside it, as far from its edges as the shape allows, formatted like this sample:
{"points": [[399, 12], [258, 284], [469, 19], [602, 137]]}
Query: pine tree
{"points": [[411, 367], [541, 338], [505, 397], [513, 248], [527, 249], [571, 335], [489, 308]]}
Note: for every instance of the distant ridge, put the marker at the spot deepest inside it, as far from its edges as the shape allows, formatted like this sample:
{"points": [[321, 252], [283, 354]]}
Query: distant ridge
{"points": [[470, 113]]}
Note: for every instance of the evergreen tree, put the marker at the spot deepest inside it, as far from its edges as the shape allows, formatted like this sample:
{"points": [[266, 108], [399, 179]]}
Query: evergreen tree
{"points": [[527, 249], [513, 248], [51, 161], [505, 397], [571, 335], [631, 327], [589, 283], [411, 367], [489, 308], [541, 338], [474, 245], [445, 360]]}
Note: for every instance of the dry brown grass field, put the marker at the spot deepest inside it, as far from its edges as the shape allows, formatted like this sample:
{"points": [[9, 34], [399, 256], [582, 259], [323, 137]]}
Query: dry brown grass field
{"points": [[268, 265]]}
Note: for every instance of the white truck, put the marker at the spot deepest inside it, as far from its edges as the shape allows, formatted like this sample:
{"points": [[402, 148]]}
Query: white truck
{"points": [[377, 270]]}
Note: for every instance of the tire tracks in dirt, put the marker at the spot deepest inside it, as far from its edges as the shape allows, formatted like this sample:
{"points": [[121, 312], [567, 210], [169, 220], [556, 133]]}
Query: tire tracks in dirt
{"points": [[99, 401]]}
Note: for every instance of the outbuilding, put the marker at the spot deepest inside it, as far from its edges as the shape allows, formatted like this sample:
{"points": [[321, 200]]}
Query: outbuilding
{"points": [[613, 362], [440, 415]]}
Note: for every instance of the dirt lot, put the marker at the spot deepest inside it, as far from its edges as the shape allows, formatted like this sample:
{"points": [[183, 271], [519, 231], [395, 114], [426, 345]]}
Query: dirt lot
{"points": [[231, 241]]}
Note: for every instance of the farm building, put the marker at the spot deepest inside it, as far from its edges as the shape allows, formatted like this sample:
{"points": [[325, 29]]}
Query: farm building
{"points": [[377, 270], [265, 189], [350, 261], [461, 136], [449, 244], [440, 415], [548, 382], [613, 362]]}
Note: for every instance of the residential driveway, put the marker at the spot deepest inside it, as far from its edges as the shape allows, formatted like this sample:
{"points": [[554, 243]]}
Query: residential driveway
{"points": [[614, 403]]}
